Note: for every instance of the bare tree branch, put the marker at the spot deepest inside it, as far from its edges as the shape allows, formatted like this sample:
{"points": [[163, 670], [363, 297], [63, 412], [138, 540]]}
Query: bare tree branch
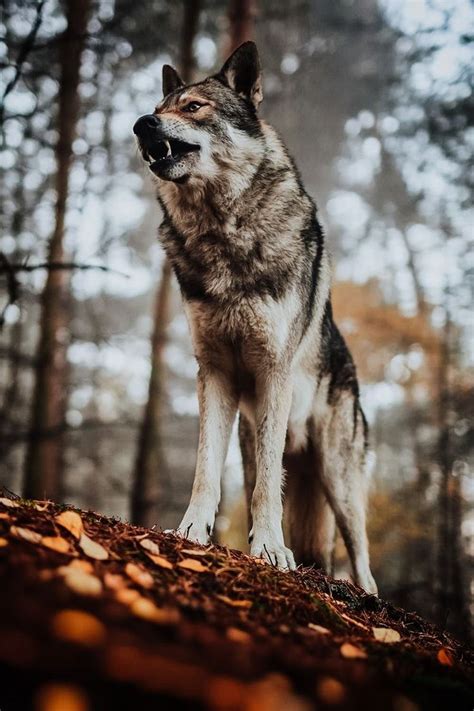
{"points": [[13, 285], [23, 56]]}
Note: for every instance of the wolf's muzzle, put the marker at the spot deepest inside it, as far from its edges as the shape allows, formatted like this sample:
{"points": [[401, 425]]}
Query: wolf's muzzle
{"points": [[146, 127], [158, 147]]}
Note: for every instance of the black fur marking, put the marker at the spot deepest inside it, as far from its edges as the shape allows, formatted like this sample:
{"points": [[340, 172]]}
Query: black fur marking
{"points": [[313, 235]]}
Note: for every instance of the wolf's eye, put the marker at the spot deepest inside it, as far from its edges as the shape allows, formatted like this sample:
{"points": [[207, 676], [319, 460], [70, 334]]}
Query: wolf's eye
{"points": [[192, 107]]}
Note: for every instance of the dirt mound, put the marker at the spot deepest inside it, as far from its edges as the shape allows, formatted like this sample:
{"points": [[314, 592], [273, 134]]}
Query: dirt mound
{"points": [[99, 614]]}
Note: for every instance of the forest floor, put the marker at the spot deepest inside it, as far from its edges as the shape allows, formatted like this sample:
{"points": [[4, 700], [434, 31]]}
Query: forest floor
{"points": [[99, 614]]}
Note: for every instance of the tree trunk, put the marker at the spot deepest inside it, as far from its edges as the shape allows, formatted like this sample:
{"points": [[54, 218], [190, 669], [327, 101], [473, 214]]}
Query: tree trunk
{"points": [[44, 459], [150, 464], [241, 23], [451, 598]]}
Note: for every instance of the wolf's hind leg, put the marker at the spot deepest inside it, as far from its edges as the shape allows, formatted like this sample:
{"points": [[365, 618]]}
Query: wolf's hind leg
{"points": [[247, 449], [309, 519], [343, 474]]}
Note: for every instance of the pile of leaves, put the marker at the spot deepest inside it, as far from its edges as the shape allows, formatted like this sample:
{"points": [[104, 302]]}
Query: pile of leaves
{"points": [[99, 614]]}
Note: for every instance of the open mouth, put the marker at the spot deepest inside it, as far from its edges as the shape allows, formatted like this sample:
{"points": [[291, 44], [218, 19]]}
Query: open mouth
{"points": [[168, 151]]}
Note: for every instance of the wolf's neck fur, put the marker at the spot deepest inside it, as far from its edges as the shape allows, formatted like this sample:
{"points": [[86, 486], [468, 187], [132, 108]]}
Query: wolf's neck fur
{"points": [[239, 186]]}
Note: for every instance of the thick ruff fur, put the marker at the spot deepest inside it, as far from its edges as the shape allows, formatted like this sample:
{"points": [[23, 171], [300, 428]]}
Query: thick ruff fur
{"points": [[250, 257]]}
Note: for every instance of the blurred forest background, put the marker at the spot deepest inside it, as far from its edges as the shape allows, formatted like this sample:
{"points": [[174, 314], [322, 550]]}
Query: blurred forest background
{"points": [[97, 379]]}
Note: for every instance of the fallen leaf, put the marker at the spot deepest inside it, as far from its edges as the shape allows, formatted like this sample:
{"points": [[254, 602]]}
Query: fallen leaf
{"points": [[385, 634], [444, 657], [138, 575], [78, 626], [190, 551], [4, 515], [72, 522], [235, 603], [150, 546], [195, 565], [126, 595], [41, 507], [56, 543], [79, 564], [92, 549], [3, 542], [236, 635], [147, 610], [25, 534], [161, 561], [61, 697], [114, 581], [352, 621], [331, 691], [318, 628], [82, 583], [350, 651], [9, 503]]}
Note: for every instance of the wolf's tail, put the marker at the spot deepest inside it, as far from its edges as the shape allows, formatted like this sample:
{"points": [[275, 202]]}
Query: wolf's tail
{"points": [[310, 527]]}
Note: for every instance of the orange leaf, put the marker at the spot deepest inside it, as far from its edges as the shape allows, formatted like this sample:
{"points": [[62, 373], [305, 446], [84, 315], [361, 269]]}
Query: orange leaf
{"points": [[61, 697], [138, 575], [3, 542], [318, 628], [385, 634], [41, 507], [235, 603], [191, 551], [444, 657], [150, 546], [72, 522], [25, 534], [126, 595], [114, 582], [236, 635], [92, 549], [195, 565], [9, 503], [147, 610], [4, 515], [331, 691], [78, 626], [161, 561], [79, 564], [56, 543], [83, 583], [350, 651]]}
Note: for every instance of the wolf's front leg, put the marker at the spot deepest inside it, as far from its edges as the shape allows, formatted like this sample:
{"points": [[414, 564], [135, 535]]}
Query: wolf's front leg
{"points": [[271, 420], [217, 409]]}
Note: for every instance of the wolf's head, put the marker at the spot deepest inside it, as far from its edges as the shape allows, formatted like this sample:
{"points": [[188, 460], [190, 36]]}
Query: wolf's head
{"points": [[203, 129]]}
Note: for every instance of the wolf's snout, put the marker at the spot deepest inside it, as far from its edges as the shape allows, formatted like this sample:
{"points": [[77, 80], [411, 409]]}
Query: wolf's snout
{"points": [[145, 125]]}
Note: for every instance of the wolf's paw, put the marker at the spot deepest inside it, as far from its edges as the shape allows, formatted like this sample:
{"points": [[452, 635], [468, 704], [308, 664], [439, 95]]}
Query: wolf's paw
{"points": [[369, 585], [195, 530], [273, 552]]}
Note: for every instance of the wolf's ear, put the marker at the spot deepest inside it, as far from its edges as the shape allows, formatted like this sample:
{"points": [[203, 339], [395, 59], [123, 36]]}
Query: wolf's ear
{"points": [[242, 73], [171, 80]]}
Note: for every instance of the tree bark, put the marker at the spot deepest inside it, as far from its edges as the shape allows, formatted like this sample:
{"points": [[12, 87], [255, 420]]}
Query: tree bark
{"points": [[451, 591], [150, 464], [241, 16], [44, 458]]}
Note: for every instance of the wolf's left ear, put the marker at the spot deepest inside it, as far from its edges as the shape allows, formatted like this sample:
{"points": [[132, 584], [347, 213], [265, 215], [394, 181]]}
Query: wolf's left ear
{"points": [[242, 73], [170, 80]]}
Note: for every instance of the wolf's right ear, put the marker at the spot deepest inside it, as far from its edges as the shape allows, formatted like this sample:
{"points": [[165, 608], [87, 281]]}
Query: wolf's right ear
{"points": [[242, 73], [170, 80]]}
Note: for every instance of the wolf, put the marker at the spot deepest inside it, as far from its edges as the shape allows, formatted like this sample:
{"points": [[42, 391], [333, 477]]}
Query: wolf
{"points": [[249, 253]]}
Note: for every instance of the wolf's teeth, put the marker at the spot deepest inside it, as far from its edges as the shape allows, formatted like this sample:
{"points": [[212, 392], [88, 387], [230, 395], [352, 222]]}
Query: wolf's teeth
{"points": [[167, 144]]}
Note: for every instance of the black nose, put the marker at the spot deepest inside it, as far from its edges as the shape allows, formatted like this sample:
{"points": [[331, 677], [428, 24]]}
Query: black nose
{"points": [[145, 124]]}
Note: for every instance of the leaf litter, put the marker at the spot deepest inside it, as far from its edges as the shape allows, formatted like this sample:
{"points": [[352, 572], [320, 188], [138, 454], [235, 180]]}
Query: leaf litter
{"points": [[308, 639]]}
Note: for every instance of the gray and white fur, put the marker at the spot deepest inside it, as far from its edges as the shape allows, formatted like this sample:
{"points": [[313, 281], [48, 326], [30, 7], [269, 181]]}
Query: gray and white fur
{"points": [[245, 243]]}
